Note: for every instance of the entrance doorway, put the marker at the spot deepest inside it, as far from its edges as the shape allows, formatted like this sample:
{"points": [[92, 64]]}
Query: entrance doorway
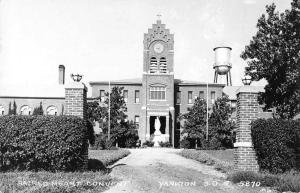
{"points": [[162, 120]]}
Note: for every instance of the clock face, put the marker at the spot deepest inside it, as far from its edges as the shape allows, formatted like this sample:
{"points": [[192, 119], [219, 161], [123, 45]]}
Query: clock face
{"points": [[158, 48]]}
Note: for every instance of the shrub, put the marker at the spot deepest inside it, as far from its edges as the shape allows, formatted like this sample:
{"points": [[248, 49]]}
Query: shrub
{"points": [[185, 143], [212, 144], [148, 143], [277, 144], [165, 144], [50, 143]]}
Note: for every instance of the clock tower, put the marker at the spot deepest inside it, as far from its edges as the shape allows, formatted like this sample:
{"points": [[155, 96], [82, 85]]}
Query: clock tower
{"points": [[158, 83]]}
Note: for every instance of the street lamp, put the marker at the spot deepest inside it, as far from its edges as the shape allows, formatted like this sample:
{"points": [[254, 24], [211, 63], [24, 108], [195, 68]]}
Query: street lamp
{"points": [[246, 80], [76, 77]]}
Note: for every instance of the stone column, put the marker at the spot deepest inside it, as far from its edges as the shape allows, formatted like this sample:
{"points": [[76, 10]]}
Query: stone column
{"points": [[148, 128], [76, 105], [247, 111], [167, 127], [172, 112]]}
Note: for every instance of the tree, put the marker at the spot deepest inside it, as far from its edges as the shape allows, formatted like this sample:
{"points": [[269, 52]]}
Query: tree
{"points": [[121, 131], [194, 126], [274, 55], [38, 110], [9, 109], [14, 110], [220, 125], [220, 130]]}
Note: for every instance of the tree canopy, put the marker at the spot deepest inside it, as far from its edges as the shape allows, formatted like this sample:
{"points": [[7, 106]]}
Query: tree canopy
{"points": [[122, 131], [220, 131], [274, 55]]}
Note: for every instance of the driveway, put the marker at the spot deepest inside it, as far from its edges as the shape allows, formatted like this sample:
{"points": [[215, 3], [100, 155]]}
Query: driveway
{"points": [[162, 170]]}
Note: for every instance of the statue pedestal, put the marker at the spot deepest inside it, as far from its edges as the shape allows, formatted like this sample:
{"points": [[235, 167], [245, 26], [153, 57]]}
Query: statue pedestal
{"points": [[159, 138]]}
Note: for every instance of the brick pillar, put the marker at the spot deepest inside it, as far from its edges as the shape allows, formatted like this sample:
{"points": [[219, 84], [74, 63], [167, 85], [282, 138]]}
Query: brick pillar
{"points": [[76, 105], [247, 111]]}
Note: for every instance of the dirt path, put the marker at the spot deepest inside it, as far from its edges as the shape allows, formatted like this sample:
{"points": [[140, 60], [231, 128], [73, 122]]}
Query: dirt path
{"points": [[162, 170]]}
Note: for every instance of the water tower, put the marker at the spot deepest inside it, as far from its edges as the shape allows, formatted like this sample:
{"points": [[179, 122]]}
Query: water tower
{"points": [[222, 64]]}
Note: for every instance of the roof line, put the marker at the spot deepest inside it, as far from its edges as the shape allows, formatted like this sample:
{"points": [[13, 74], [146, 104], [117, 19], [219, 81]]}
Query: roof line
{"points": [[31, 97]]}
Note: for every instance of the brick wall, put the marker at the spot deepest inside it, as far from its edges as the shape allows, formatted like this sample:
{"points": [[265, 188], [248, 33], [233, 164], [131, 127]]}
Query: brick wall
{"points": [[76, 105], [247, 111]]}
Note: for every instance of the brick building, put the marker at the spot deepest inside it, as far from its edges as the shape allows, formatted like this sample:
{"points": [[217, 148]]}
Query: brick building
{"points": [[155, 94]]}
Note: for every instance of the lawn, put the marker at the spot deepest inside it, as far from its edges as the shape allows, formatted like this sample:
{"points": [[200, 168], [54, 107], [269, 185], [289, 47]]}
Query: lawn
{"points": [[108, 157], [48, 182], [225, 155], [222, 160]]}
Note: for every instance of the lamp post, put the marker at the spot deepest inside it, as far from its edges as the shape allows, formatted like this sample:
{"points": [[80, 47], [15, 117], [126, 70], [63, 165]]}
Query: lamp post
{"points": [[76, 77], [246, 80]]}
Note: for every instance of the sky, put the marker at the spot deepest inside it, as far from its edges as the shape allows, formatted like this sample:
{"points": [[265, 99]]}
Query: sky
{"points": [[103, 39]]}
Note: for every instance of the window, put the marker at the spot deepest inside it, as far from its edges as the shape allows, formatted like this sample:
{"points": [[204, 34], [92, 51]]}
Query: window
{"points": [[190, 97], [213, 96], [25, 110], [1, 110], [163, 65], [201, 94], [102, 95], [51, 110], [137, 96], [125, 94], [153, 65], [178, 97], [137, 120], [157, 93]]}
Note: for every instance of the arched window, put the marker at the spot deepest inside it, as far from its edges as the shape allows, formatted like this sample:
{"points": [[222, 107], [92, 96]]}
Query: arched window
{"points": [[153, 65], [1, 110], [51, 110], [25, 110], [163, 65]]}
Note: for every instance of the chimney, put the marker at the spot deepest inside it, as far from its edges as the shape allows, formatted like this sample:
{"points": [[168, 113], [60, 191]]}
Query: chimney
{"points": [[61, 74]]}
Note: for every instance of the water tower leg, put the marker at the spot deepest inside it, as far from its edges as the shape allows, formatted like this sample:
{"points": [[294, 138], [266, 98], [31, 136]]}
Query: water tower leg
{"points": [[230, 78], [227, 82], [216, 77]]}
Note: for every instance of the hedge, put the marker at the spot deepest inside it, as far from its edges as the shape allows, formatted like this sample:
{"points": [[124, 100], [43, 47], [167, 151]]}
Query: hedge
{"points": [[50, 143], [277, 144]]}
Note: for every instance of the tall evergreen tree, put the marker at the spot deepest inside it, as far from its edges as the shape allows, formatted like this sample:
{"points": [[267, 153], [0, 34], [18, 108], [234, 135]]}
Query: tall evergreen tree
{"points": [[9, 109], [38, 110], [14, 110]]}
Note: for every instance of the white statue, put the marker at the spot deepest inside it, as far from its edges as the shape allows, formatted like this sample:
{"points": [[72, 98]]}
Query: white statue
{"points": [[157, 127], [157, 133]]}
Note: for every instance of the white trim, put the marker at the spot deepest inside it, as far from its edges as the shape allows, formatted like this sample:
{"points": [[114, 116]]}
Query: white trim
{"points": [[158, 114], [243, 144]]}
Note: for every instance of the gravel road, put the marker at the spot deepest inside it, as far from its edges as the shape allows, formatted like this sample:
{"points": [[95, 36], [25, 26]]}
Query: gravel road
{"points": [[163, 170]]}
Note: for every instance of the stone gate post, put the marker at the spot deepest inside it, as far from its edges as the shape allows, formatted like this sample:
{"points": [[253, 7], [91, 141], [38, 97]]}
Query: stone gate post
{"points": [[76, 105], [247, 111]]}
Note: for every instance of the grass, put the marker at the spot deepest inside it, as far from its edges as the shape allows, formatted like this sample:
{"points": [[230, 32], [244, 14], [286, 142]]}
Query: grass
{"points": [[108, 157], [223, 155], [222, 160], [289, 181], [97, 179], [211, 157]]}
